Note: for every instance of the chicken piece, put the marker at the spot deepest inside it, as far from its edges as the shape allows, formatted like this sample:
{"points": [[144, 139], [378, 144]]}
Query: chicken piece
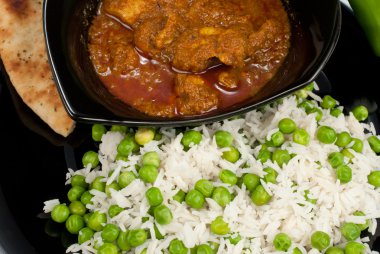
{"points": [[129, 11], [272, 37], [194, 95], [171, 30], [218, 13], [200, 49], [110, 46], [145, 34]]}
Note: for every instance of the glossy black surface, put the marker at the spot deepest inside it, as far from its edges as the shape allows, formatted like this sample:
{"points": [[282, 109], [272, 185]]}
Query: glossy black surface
{"points": [[34, 159], [86, 99]]}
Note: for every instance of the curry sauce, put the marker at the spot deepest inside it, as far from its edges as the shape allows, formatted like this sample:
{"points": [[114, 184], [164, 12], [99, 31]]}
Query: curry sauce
{"points": [[187, 57]]}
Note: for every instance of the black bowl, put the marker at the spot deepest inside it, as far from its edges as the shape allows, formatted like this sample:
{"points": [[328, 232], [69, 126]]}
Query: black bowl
{"points": [[315, 31]]}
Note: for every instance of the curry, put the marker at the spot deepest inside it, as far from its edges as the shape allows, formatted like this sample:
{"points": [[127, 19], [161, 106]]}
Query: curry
{"points": [[171, 58]]}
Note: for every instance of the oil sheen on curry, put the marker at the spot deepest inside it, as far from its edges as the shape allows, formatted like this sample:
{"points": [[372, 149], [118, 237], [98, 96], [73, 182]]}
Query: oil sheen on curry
{"points": [[171, 58]]}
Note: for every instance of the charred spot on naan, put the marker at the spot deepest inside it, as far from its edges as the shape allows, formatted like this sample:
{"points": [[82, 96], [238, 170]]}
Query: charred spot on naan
{"points": [[18, 7]]}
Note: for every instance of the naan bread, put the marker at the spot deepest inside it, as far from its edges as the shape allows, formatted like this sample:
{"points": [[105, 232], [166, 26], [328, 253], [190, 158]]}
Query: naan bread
{"points": [[23, 52]]}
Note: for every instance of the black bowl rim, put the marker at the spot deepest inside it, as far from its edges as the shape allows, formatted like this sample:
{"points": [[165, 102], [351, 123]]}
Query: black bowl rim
{"points": [[168, 122]]}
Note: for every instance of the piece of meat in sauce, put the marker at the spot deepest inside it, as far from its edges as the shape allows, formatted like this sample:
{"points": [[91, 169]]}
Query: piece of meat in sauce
{"points": [[194, 95], [110, 46]]}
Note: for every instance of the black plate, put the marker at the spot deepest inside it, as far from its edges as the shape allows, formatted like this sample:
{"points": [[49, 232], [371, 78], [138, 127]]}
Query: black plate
{"points": [[33, 166]]}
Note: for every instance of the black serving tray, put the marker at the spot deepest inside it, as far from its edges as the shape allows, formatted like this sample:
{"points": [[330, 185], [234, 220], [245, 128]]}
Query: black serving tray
{"points": [[34, 160]]}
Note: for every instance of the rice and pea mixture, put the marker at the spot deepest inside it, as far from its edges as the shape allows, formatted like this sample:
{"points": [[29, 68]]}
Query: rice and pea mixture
{"points": [[297, 176]]}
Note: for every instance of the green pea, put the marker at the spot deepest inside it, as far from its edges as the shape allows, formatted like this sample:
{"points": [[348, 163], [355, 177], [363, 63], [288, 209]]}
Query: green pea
{"points": [[144, 135], [136, 237], [99, 184], [114, 186], [195, 199], [336, 159], [122, 241], [318, 112], [270, 176], [260, 196], [163, 215], [157, 232], [326, 134], [358, 145], [114, 210], [78, 180], [125, 179], [234, 240], [328, 102], [374, 143], [223, 138], [350, 231], [90, 157], [191, 137], [297, 251], [251, 181], [205, 187], [344, 173], [179, 196], [300, 136], [335, 112], [75, 193], [306, 105], [108, 248], [219, 226], [119, 128], [277, 139], [362, 226], [214, 246], [313, 201], [177, 247], [222, 196], [282, 242], [76, 207], [343, 139], [148, 173], [310, 87], [204, 249], [97, 132], [334, 250], [354, 248], [157, 136], [264, 155], [127, 146], [301, 94], [60, 213], [86, 217], [233, 155], [347, 154], [154, 196], [120, 157], [374, 178], [320, 240], [228, 177], [86, 198], [74, 223], [287, 126], [151, 158], [97, 220], [360, 112], [110, 233], [85, 234], [281, 157]]}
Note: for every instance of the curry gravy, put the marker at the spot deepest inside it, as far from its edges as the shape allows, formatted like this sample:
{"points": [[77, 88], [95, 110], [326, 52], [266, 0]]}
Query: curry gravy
{"points": [[187, 57]]}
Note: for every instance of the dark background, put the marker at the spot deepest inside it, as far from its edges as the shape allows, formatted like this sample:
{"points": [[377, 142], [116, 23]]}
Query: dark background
{"points": [[33, 158]]}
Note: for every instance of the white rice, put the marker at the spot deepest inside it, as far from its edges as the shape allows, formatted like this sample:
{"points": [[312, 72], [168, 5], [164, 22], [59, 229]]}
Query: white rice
{"points": [[287, 212]]}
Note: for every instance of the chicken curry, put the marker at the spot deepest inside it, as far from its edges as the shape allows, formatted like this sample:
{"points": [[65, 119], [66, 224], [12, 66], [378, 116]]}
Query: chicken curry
{"points": [[173, 58]]}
